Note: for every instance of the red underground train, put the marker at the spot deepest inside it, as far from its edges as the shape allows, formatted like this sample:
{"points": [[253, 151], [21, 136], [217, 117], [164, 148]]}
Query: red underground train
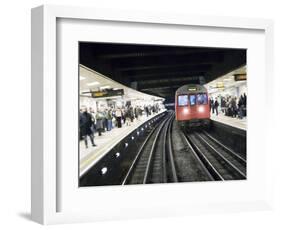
{"points": [[192, 106]]}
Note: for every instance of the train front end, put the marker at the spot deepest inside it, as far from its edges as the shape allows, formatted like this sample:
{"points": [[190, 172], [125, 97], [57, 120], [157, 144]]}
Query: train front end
{"points": [[192, 106]]}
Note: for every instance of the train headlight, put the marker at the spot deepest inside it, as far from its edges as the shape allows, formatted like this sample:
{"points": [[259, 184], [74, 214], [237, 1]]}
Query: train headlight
{"points": [[201, 109], [185, 111]]}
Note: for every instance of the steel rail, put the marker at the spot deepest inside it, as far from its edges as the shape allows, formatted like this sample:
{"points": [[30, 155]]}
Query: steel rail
{"points": [[148, 166], [222, 157], [164, 174], [170, 150], [138, 154], [235, 155], [208, 165]]}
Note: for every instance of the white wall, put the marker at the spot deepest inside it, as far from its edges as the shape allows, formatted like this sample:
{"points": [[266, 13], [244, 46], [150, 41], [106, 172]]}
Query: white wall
{"points": [[233, 91], [88, 102], [242, 89], [15, 114]]}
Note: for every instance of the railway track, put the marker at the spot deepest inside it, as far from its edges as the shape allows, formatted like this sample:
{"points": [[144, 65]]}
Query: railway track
{"points": [[221, 162], [189, 166], [150, 164], [170, 155]]}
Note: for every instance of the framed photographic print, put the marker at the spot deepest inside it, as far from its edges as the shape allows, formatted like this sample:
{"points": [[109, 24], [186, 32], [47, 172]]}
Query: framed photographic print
{"points": [[140, 114]]}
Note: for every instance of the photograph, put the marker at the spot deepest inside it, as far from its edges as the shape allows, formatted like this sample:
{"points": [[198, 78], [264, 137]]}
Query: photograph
{"points": [[151, 114]]}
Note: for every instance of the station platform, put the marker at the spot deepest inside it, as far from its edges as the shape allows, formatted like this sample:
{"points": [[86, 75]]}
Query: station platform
{"points": [[89, 156], [231, 121]]}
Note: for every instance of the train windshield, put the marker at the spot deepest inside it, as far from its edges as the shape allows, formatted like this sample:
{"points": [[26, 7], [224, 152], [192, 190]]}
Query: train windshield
{"points": [[192, 99], [182, 100], [202, 99]]}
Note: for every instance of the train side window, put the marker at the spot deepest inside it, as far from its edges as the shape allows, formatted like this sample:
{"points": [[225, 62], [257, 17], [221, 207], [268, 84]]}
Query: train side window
{"points": [[182, 100], [192, 99], [202, 99]]}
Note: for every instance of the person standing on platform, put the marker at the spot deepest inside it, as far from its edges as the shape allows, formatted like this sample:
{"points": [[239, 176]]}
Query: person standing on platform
{"points": [[216, 105], [136, 110], [80, 134], [127, 117], [240, 107], [93, 114], [131, 114], [157, 108], [245, 105], [149, 110], [140, 111], [153, 109], [123, 114], [104, 120], [99, 122], [244, 99], [212, 105], [109, 119], [86, 123], [146, 110], [118, 115], [223, 105], [233, 106]]}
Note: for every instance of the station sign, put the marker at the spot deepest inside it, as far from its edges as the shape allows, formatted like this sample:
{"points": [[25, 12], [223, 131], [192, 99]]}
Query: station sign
{"points": [[240, 77], [220, 85], [192, 88], [107, 93]]}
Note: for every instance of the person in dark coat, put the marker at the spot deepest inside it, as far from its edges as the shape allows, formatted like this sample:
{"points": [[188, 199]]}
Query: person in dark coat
{"points": [[104, 120], [118, 115], [223, 105], [245, 105], [93, 114], [109, 117], [137, 112], [127, 117], [233, 106], [86, 126], [146, 109], [131, 113], [240, 107], [212, 105], [99, 122], [216, 105]]}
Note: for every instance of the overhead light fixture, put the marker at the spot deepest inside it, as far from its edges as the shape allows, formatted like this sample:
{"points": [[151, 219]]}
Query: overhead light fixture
{"points": [[227, 79], [105, 87], [93, 83], [220, 84], [82, 78]]}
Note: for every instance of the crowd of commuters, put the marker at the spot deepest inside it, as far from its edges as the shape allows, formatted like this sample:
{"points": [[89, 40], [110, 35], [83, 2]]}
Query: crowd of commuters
{"points": [[230, 106], [105, 120]]}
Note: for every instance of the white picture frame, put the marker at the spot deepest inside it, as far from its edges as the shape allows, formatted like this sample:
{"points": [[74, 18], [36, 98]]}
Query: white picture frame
{"points": [[46, 184]]}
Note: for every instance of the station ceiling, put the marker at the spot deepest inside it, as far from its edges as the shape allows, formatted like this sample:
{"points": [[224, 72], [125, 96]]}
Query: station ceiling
{"points": [[159, 70]]}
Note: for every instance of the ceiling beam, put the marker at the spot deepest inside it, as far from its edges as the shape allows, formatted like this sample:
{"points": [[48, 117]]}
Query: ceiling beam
{"points": [[171, 84], [165, 51], [171, 80], [159, 76], [129, 63], [170, 70], [151, 66]]}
